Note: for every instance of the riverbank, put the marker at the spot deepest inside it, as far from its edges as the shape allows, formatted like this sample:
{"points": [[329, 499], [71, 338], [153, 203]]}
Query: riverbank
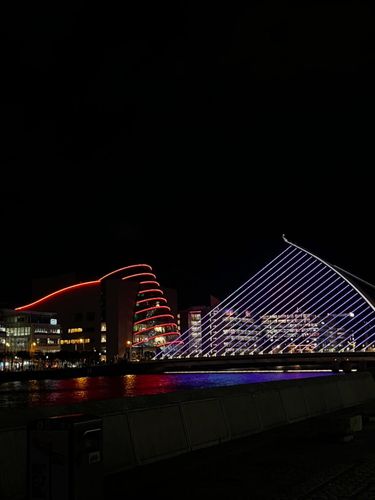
{"points": [[334, 362], [61, 373], [301, 461], [143, 430]]}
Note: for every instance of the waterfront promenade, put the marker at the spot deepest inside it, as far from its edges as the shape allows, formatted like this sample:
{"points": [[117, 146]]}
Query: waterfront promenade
{"points": [[302, 461], [272, 440]]}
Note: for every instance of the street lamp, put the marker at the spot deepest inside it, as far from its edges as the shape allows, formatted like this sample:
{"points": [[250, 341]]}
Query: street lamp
{"points": [[127, 350], [7, 352]]}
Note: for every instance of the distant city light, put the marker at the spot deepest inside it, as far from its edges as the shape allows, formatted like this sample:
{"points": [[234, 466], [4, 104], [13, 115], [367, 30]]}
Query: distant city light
{"points": [[298, 303]]}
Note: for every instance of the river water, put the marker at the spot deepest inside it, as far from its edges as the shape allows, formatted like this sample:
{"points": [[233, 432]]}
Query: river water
{"points": [[57, 392]]}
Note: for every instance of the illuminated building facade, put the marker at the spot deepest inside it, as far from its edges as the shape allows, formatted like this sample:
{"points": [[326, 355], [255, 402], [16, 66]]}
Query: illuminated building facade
{"points": [[238, 330], [33, 332], [285, 328], [154, 325], [3, 340], [297, 303], [122, 314], [191, 320]]}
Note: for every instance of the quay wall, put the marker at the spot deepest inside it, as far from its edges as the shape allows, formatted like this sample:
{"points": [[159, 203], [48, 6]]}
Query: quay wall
{"points": [[142, 430]]}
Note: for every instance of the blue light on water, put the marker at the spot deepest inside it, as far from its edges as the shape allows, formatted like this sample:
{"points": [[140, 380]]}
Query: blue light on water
{"points": [[67, 391]]}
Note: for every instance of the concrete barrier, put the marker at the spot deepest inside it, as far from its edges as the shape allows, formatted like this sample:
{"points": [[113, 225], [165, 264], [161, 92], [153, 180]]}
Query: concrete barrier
{"points": [[205, 423], [118, 449], [367, 384], [332, 395], [294, 403], [157, 433], [350, 392], [142, 430], [13, 463], [270, 408], [314, 397], [242, 415], [354, 390]]}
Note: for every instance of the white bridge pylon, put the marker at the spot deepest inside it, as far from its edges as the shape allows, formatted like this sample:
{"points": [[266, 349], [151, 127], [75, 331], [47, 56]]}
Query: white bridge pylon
{"points": [[297, 303]]}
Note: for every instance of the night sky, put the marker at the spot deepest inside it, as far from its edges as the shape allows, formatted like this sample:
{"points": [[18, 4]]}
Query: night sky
{"points": [[185, 135]]}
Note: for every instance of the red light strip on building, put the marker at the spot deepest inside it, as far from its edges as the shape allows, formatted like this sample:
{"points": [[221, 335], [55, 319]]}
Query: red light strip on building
{"points": [[58, 292], [155, 336], [149, 283], [154, 317], [153, 327], [89, 283], [136, 275], [152, 309], [124, 269], [150, 299], [151, 290]]}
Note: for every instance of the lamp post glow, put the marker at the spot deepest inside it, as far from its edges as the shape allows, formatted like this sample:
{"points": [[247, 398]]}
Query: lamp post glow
{"points": [[128, 350]]}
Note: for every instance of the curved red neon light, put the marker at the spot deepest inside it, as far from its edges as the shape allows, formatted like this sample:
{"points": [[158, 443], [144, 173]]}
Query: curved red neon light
{"points": [[152, 309], [58, 292], [138, 274], [87, 283], [151, 318], [124, 269], [149, 283], [151, 290], [153, 328], [150, 299], [146, 282]]}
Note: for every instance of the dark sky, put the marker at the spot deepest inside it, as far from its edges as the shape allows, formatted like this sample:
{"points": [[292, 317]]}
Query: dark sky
{"points": [[187, 135]]}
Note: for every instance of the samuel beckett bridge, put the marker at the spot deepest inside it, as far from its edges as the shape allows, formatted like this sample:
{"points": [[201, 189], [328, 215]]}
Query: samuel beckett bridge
{"points": [[296, 309]]}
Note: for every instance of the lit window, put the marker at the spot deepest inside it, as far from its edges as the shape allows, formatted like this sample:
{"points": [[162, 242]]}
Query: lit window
{"points": [[103, 338], [103, 327], [159, 340], [75, 330]]}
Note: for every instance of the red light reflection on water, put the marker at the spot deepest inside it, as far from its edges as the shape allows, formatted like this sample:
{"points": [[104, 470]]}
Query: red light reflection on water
{"points": [[75, 390]]}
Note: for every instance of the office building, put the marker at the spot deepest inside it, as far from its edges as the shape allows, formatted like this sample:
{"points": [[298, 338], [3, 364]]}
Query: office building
{"points": [[32, 332], [122, 314]]}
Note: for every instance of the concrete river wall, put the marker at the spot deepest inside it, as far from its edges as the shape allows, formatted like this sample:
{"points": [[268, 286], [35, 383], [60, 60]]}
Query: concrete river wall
{"points": [[146, 429]]}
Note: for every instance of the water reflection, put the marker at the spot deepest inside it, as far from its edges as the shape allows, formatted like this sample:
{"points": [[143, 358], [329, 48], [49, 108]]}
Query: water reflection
{"points": [[67, 391]]}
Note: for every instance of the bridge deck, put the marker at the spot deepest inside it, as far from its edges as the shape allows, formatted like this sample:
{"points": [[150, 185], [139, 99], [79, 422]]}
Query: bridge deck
{"points": [[326, 360]]}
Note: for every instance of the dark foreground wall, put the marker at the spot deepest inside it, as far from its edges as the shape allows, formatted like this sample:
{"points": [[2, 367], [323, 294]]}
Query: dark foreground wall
{"points": [[150, 428]]}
